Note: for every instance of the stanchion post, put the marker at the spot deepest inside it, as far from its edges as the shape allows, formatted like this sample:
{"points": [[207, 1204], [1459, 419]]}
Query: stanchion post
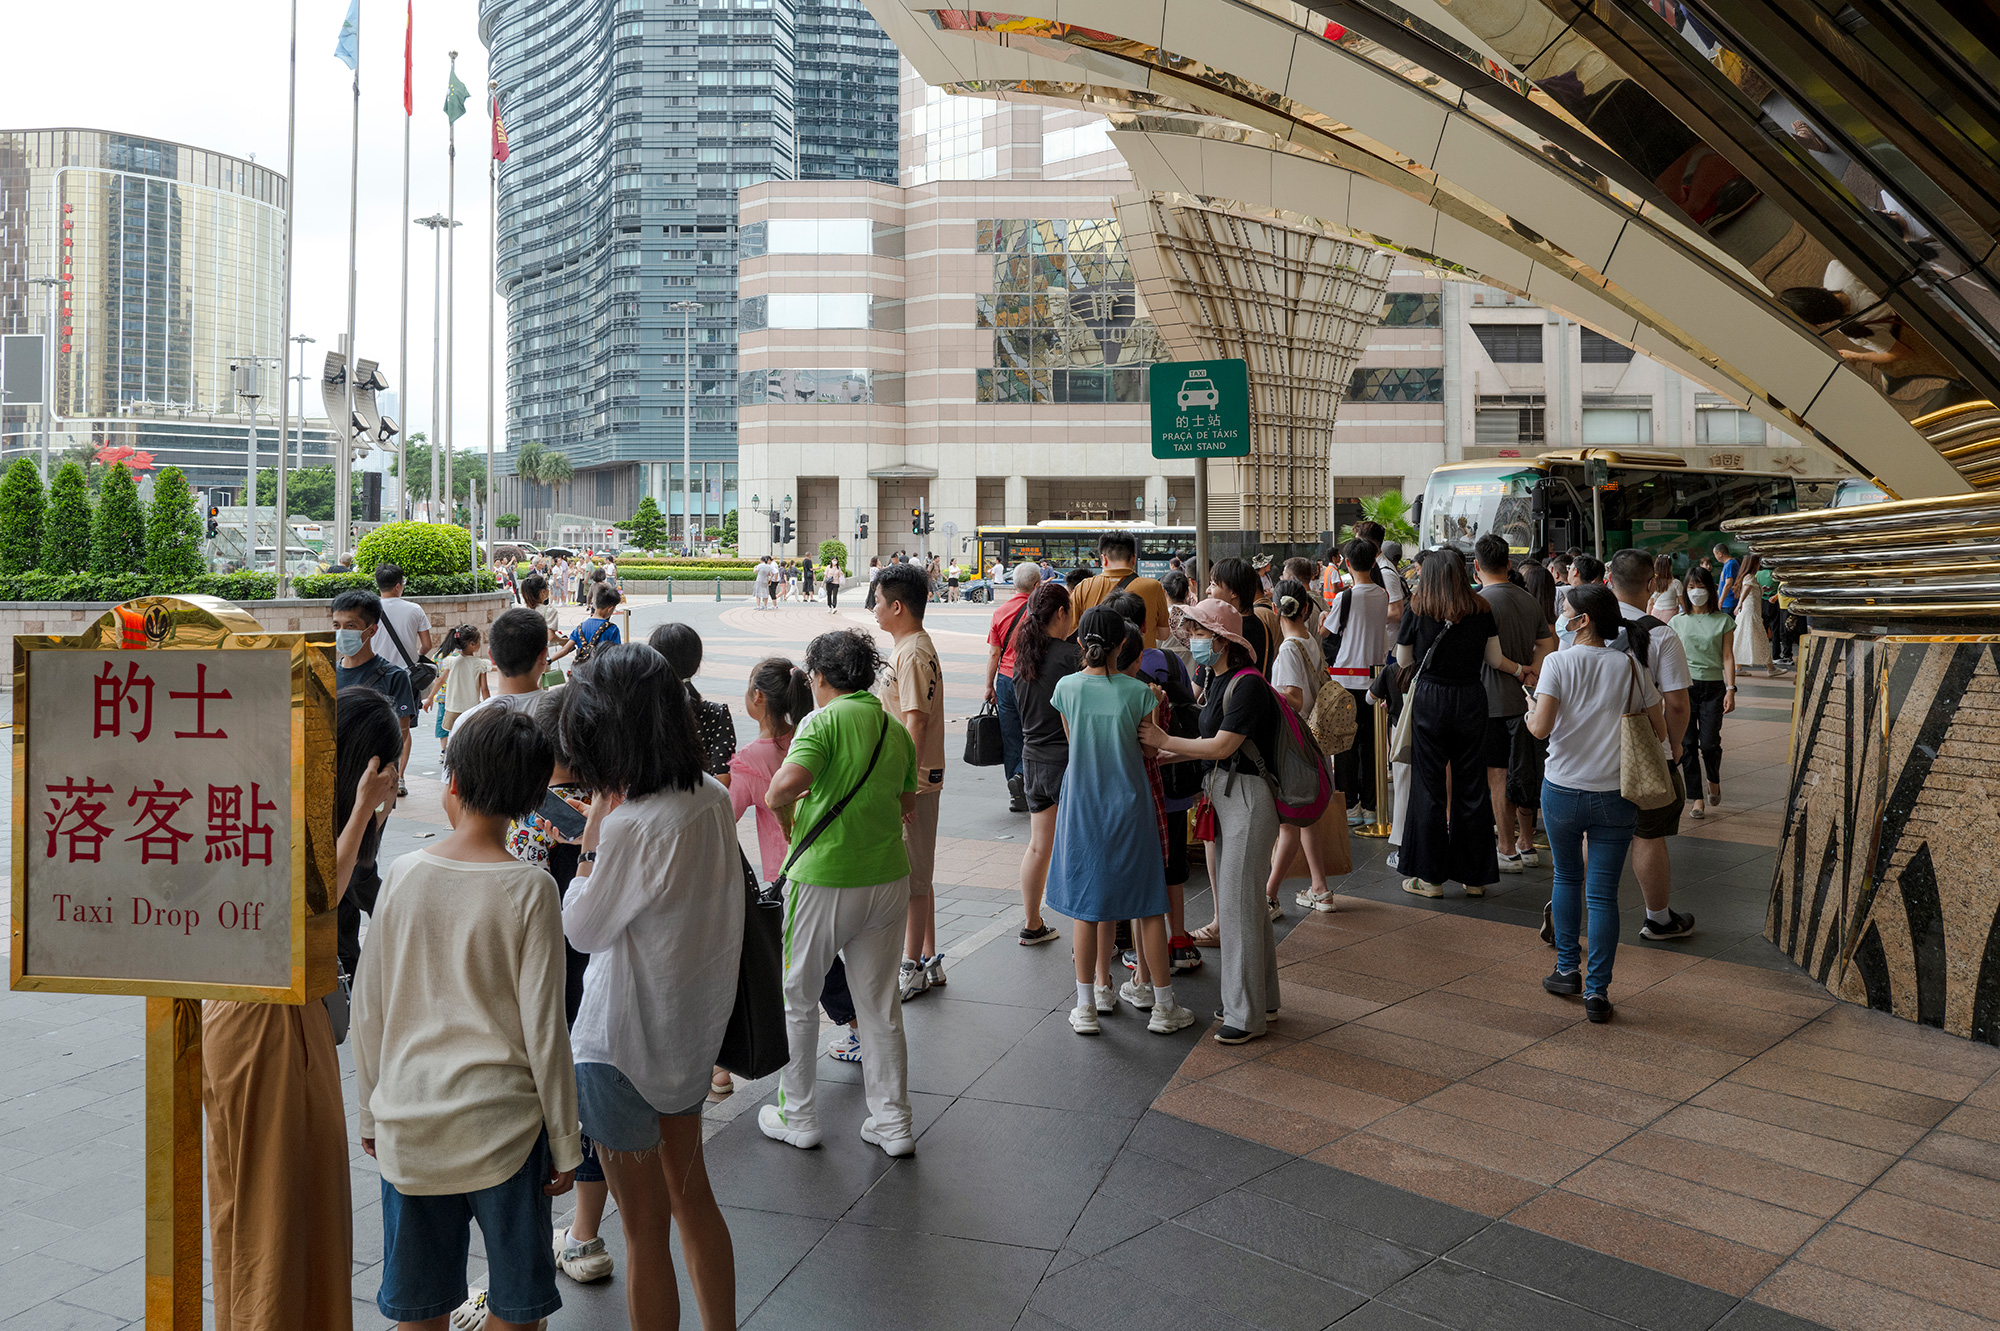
{"points": [[718, 589], [1384, 810], [173, 1164]]}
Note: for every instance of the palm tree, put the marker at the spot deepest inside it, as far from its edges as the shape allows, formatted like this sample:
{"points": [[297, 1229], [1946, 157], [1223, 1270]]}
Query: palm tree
{"points": [[1389, 509], [538, 464]]}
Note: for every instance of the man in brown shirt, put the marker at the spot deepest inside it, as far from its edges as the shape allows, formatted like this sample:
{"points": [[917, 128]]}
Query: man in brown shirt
{"points": [[914, 694], [1118, 552]]}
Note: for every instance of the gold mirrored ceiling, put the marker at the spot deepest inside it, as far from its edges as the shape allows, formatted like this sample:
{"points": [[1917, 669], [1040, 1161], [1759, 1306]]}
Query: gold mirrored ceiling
{"points": [[1542, 122]]}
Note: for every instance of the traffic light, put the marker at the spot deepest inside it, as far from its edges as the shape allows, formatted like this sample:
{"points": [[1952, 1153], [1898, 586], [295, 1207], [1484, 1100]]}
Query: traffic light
{"points": [[860, 525], [777, 533], [791, 532], [930, 524], [214, 527], [916, 522]]}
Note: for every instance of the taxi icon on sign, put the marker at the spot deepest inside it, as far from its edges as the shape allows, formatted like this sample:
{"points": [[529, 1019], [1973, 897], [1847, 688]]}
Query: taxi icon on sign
{"points": [[1197, 391]]}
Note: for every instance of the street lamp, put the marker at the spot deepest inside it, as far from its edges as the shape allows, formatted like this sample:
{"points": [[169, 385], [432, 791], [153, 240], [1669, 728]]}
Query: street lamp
{"points": [[687, 309], [299, 458], [436, 222], [48, 364]]}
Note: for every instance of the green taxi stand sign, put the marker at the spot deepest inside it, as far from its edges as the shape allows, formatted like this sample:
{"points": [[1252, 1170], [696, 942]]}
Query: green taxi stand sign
{"points": [[1201, 409]]}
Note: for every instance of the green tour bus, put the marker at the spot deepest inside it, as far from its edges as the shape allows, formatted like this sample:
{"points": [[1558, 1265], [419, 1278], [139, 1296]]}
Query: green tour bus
{"points": [[1544, 504]]}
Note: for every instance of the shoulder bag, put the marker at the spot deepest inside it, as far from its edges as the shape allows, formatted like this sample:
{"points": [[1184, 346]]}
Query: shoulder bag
{"points": [[423, 670], [983, 746], [1403, 741], [754, 1042], [1643, 774]]}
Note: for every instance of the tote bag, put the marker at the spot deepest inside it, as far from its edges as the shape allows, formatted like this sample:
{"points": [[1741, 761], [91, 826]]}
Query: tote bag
{"points": [[754, 1043], [1643, 774]]}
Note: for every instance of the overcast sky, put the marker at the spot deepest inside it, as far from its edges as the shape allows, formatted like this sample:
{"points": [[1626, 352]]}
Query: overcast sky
{"points": [[213, 75]]}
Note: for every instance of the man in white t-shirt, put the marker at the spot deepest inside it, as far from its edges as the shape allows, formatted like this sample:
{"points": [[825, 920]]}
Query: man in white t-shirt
{"points": [[1631, 577], [1359, 616], [1392, 581], [760, 581], [411, 639]]}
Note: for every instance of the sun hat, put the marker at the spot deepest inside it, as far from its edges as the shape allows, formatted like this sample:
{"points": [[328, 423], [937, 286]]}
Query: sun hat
{"points": [[1221, 619]]}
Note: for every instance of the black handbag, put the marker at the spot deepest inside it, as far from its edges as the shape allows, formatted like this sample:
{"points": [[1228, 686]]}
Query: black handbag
{"points": [[423, 670], [754, 1043], [983, 747]]}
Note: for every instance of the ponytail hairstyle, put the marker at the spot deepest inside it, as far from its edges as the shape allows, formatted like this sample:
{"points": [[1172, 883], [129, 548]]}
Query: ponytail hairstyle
{"points": [[1101, 636], [787, 693], [1031, 631], [465, 639], [1293, 601]]}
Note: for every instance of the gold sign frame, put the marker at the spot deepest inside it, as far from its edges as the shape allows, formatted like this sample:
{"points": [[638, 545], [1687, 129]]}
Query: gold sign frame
{"points": [[208, 623]]}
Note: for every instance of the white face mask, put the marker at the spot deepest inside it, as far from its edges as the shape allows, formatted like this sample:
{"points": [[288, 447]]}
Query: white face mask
{"points": [[1698, 596]]}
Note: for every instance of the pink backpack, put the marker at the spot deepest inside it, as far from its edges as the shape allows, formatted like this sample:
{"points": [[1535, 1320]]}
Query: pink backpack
{"points": [[1300, 784]]}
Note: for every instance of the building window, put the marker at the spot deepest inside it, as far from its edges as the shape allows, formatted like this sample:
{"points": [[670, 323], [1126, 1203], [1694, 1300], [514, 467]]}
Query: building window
{"points": [[1388, 385], [1080, 141], [808, 309], [793, 388], [1724, 426], [1616, 425], [604, 489], [1511, 344], [1601, 350], [1514, 418], [1410, 309]]}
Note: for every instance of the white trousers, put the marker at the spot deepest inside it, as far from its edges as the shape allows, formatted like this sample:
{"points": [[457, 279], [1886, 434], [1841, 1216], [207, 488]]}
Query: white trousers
{"points": [[863, 925]]}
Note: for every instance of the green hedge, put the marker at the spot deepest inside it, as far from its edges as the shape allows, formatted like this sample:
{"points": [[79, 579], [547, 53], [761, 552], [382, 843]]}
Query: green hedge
{"points": [[126, 586], [651, 561], [418, 548], [692, 572], [319, 586]]}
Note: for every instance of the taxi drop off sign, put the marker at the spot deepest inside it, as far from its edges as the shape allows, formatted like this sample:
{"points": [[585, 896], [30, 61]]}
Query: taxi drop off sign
{"points": [[1201, 409]]}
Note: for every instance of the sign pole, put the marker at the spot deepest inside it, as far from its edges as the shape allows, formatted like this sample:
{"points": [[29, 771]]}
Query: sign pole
{"points": [[173, 1164], [1200, 410], [1200, 526]]}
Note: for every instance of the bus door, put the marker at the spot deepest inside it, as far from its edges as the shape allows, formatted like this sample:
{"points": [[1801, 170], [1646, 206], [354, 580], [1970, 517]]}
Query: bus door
{"points": [[1562, 513]]}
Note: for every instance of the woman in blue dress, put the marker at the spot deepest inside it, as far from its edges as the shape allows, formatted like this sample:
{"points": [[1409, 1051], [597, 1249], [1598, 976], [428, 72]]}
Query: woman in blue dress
{"points": [[1107, 864]]}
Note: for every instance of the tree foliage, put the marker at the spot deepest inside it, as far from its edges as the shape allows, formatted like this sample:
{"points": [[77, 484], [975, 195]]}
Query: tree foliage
{"points": [[309, 491], [21, 506], [173, 528], [729, 528], [647, 527], [508, 522], [118, 534], [466, 464], [418, 548], [68, 522], [1389, 509], [833, 552]]}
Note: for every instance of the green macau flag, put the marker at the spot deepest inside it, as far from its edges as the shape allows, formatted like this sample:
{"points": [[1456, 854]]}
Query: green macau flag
{"points": [[454, 97]]}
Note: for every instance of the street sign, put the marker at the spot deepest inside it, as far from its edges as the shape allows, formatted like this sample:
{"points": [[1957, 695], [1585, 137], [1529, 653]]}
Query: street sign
{"points": [[1201, 409]]}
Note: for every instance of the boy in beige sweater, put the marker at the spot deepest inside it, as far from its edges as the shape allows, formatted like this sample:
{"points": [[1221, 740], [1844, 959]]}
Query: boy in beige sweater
{"points": [[461, 1054]]}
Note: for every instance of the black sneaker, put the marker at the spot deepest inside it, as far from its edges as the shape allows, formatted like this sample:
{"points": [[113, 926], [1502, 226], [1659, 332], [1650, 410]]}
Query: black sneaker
{"points": [[1270, 1014], [1598, 1008], [1017, 795], [1045, 934], [1566, 983], [1677, 926], [1185, 958], [1130, 958], [1230, 1035], [1549, 923]]}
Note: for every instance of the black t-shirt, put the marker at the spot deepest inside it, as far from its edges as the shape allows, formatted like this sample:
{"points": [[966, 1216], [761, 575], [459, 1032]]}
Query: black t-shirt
{"points": [[1248, 710], [1463, 653], [1043, 738], [1259, 640], [391, 681]]}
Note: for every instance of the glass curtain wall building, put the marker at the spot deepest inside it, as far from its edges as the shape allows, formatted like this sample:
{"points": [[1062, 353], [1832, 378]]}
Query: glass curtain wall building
{"points": [[152, 268], [633, 124]]}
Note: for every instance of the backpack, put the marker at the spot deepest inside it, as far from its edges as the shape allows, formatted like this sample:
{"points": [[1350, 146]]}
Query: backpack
{"points": [[1332, 720], [1300, 785], [585, 650]]}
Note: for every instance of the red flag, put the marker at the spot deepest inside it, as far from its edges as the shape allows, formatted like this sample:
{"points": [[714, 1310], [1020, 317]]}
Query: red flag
{"points": [[409, 37], [499, 130]]}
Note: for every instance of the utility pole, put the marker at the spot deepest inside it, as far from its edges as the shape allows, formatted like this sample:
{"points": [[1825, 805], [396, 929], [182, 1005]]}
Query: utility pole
{"points": [[687, 309], [49, 285], [436, 222], [298, 440], [450, 308]]}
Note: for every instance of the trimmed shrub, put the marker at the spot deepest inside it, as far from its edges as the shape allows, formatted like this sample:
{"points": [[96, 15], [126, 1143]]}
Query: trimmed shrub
{"points": [[66, 524], [125, 586], [173, 529], [835, 551], [118, 532], [320, 586], [417, 548], [21, 505]]}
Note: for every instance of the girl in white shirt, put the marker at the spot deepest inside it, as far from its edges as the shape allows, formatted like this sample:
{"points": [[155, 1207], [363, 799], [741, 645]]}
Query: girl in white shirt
{"points": [[1581, 697], [1666, 602]]}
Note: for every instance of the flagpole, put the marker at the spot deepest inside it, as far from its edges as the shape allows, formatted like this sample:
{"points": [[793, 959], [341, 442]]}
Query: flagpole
{"points": [[493, 281], [450, 305], [343, 445], [403, 338], [285, 301]]}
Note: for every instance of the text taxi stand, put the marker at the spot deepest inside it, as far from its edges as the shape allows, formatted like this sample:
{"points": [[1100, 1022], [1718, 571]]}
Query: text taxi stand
{"points": [[1201, 410], [173, 814]]}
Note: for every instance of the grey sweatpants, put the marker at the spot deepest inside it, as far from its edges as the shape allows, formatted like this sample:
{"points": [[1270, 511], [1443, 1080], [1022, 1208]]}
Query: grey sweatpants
{"points": [[1246, 829]]}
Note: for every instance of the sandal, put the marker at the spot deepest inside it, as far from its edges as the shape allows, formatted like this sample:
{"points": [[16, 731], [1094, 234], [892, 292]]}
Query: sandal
{"points": [[1209, 935], [721, 1083]]}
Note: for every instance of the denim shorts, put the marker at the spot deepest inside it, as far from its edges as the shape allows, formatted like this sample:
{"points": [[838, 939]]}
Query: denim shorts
{"points": [[615, 1115], [426, 1240]]}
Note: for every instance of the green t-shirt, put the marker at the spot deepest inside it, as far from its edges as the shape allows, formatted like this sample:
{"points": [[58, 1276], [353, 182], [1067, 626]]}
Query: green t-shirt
{"points": [[1702, 636], [863, 847]]}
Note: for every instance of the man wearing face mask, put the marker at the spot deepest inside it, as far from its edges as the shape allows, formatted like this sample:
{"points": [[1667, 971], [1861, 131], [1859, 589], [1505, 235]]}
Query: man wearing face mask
{"points": [[356, 615]]}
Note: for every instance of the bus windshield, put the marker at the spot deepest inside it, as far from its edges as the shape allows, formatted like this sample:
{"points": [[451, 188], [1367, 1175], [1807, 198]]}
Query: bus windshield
{"points": [[1461, 504]]}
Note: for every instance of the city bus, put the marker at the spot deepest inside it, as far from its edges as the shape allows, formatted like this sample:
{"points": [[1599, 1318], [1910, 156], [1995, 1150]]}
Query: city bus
{"points": [[1065, 544], [1543, 504]]}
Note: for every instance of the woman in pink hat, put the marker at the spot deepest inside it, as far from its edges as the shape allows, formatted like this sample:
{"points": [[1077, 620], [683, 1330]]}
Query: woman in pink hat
{"points": [[1239, 727]]}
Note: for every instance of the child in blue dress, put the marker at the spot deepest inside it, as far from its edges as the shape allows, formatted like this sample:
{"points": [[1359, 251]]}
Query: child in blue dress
{"points": [[1107, 864]]}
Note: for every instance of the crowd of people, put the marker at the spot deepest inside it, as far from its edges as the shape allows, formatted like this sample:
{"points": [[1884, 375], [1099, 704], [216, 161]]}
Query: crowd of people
{"points": [[539, 998]]}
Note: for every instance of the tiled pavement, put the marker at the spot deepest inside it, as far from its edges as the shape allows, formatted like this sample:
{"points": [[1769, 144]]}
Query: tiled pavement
{"points": [[1426, 1140]]}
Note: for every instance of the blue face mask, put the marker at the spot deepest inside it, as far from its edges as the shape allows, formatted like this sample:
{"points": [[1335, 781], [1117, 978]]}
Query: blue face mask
{"points": [[1203, 649]]}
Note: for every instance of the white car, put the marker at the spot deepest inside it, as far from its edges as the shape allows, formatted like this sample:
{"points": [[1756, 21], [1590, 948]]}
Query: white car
{"points": [[1198, 391]]}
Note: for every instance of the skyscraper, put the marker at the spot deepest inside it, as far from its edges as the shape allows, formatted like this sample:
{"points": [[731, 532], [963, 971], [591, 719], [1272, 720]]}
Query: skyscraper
{"points": [[633, 124]]}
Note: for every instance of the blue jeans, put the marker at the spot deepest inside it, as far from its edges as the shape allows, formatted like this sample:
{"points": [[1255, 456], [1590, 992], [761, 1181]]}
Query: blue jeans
{"points": [[1606, 819], [1010, 725], [426, 1240]]}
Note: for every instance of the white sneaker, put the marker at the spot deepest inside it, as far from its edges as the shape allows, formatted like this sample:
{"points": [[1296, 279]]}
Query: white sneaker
{"points": [[914, 979], [1529, 859], [772, 1120], [934, 971], [1107, 1001], [1167, 1020], [1510, 864], [846, 1048], [896, 1147], [581, 1262], [1695, 811], [1138, 995], [1083, 1020]]}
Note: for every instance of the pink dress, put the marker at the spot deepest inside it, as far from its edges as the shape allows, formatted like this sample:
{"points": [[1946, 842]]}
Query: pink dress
{"points": [[750, 773]]}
